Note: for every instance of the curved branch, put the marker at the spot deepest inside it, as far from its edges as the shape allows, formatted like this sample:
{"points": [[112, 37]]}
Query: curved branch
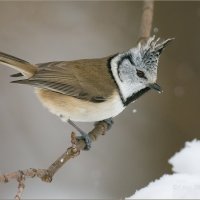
{"points": [[47, 174]]}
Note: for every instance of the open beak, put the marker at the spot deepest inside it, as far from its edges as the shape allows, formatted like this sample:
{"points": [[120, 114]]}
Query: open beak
{"points": [[156, 87]]}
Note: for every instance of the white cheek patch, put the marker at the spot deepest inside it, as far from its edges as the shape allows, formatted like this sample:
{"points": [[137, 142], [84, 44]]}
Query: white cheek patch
{"points": [[126, 72], [127, 88]]}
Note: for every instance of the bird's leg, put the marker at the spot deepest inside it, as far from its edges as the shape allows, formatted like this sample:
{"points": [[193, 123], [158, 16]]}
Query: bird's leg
{"points": [[83, 136]]}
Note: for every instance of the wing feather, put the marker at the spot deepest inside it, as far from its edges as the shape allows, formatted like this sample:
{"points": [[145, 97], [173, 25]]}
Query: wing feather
{"points": [[81, 79]]}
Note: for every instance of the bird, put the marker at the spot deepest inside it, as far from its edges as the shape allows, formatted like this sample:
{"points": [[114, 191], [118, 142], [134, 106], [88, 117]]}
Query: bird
{"points": [[91, 90]]}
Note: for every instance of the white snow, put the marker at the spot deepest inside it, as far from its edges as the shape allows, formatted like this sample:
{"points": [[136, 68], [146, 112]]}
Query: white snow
{"points": [[184, 183], [188, 159]]}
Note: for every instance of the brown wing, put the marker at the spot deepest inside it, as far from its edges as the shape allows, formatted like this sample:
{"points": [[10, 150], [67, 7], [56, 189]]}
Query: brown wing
{"points": [[87, 79]]}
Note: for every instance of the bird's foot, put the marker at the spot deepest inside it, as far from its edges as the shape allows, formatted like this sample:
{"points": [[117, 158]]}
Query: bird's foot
{"points": [[110, 122], [84, 136]]}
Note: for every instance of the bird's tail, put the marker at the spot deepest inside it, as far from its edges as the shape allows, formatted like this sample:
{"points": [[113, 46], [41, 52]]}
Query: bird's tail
{"points": [[25, 68]]}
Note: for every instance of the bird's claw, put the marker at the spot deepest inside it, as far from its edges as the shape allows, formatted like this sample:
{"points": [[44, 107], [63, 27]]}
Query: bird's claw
{"points": [[84, 136], [109, 122]]}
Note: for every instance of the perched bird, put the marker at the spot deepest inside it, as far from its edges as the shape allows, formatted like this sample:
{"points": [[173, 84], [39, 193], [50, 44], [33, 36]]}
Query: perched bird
{"points": [[92, 89]]}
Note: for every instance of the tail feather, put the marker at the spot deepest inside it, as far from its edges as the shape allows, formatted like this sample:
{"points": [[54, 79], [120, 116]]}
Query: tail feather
{"points": [[25, 68], [17, 75], [23, 81]]}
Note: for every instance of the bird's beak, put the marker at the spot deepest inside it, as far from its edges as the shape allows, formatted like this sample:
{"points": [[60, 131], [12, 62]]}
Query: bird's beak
{"points": [[156, 87]]}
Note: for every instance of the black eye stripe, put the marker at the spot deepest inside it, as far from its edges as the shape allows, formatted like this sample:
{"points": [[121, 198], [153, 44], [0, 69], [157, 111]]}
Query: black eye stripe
{"points": [[126, 57]]}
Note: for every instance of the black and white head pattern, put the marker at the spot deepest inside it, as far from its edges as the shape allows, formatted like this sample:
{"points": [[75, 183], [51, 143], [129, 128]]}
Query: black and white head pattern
{"points": [[135, 69]]}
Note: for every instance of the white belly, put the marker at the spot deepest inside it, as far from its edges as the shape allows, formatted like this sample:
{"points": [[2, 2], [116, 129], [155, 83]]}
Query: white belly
{"points": [[75, 109]]}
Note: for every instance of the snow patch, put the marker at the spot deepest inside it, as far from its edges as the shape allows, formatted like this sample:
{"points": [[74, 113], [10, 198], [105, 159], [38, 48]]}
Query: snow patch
{"points": [[188, 159], [184, 183]]}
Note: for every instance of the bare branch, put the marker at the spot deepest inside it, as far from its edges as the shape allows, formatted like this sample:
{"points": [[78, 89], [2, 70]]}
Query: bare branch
{"points": [[21, 185], [146, 20], [47, 174]]}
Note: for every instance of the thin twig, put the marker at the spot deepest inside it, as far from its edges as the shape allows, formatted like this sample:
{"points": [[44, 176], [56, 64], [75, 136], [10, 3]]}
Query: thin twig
{"points": [[21, 185], [47, 174], [146, 20], [77, 145]]}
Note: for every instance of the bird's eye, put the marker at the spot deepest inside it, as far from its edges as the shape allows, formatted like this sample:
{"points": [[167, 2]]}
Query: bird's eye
{"points": [[141, 74]]}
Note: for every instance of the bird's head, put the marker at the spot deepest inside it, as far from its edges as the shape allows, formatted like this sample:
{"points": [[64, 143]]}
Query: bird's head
{"points": [[145, 61], [136, 69]]}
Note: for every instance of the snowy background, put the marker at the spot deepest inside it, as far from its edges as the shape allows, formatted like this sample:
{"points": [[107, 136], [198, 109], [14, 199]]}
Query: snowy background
{"points": [[184, 183], [136, 150]]}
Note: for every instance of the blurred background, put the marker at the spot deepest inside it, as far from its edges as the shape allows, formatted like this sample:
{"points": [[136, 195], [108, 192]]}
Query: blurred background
{"points": [[144, 136]]}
